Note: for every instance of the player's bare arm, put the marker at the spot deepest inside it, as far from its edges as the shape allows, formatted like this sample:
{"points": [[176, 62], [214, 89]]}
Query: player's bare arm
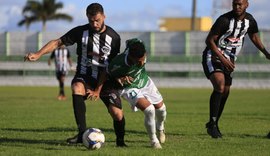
{"points": [[258, 43], [210, 42], [48, 48]]}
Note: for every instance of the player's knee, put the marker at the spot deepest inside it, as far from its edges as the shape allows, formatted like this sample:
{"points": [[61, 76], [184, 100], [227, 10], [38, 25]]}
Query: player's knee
{"points": [[159, 105], [116, 113], [220, 89], [149, 111], [78, 89], [162, 107]]}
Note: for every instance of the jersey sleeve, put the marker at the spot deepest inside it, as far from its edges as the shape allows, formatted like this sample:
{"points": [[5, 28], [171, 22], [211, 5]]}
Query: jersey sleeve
{"points": [[116, 48], [115, 68], [113, 71], [70, 37], [220, 26], [253, 26]]}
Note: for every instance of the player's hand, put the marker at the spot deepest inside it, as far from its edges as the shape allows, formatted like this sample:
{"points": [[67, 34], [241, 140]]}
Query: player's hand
{"points": [[267, 55], [92, 95], [227, 63], [31, 57], [125, 80]]}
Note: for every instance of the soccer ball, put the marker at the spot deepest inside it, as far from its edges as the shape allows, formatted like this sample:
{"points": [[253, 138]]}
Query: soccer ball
{"points": [[93, 138]]}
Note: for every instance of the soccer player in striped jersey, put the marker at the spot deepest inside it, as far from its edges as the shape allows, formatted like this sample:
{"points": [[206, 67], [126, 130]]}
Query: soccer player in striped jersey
{"points": [[62, 62], [97, 44], [224, 42], [139, 90]]}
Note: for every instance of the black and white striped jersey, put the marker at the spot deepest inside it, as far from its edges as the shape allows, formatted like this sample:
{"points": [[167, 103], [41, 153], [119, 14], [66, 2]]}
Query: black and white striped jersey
{"points": [[94, 50], [232, 32], [61, 56]]}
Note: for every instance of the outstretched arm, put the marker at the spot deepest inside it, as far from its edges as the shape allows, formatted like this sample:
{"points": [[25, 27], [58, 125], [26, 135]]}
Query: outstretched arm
{"points": [[48, 48], [258, 43]]}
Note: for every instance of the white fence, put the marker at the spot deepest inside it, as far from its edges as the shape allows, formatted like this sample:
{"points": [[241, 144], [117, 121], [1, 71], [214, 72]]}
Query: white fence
{"points": [[158, 43], [188, 82]]}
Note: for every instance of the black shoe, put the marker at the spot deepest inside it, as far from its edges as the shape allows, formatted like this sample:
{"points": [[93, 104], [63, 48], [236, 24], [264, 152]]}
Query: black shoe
{"points": [[120, 143], [213, 130], [268, 136], [75, 140], [207, 125]]}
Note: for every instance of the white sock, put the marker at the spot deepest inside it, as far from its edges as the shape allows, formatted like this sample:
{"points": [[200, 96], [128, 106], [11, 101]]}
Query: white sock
{"points": [[161, 114], [149, 123]]}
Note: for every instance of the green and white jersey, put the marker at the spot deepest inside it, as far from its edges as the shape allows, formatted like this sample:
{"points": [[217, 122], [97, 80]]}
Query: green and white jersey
{"points": [[120, 68]]}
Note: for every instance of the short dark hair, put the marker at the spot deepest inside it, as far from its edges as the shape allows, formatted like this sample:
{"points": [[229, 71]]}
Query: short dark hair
{"points": [[94, 8], [136, 47]]}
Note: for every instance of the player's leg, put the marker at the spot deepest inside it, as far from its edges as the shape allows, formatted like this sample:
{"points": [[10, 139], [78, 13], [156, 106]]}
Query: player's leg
{"points": [[161, 114], [152, 94], [223, 101], [118, 124], [62, 89], [58, 77], [218, 81], [225, 94], [112, 100], [78, 93], [213, 70], [149, 121]]}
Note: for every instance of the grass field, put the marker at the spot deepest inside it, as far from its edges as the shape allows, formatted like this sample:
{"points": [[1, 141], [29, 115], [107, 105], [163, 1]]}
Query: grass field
{"points": [[33, 122]]}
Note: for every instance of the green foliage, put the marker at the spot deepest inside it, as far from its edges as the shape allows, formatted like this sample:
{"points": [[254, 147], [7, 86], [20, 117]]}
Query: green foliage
{"points": [[42, 11], [34, 122]]}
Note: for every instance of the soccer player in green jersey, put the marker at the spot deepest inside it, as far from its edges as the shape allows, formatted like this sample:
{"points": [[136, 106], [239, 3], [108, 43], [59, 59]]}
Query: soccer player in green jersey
{"points": [[139, 90]]}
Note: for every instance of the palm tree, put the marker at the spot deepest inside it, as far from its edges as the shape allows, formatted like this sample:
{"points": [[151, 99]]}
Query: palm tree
{"points": [[26, 21], [45, 10]]}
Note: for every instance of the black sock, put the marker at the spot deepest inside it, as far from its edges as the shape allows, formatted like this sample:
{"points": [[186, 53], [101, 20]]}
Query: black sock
{"points": [[79, 112], [222, 105], [214, 105], [61, 85], [119, 129]]}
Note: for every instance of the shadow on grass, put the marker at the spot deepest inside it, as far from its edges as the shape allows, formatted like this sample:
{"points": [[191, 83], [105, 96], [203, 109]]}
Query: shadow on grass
{"points": [[60, 129], [15, 141], [62, 143], [54, 129], [234, 135], [246, 136], [49, 129]]}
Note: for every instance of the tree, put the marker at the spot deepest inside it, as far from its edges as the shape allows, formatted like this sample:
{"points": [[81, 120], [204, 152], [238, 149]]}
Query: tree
{"points": [[26, 21], [45, 10]]}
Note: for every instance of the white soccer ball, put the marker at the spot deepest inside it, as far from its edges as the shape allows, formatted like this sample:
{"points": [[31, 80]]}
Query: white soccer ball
{"points": [[93, 138]]}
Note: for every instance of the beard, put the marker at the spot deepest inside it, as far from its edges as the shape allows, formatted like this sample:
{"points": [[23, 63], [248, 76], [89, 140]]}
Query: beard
{"points": [[101, 28]]}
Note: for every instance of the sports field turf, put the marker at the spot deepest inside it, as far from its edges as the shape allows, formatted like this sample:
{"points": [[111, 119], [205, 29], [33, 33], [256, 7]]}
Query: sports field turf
{"points": [[34, 122]]}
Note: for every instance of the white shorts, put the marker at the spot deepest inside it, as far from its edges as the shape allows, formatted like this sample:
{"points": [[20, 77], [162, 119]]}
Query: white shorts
{"points": [[149, 91]]}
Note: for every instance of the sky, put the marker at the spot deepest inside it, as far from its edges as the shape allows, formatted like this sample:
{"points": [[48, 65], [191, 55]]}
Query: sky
{"points": [[126, 15]]}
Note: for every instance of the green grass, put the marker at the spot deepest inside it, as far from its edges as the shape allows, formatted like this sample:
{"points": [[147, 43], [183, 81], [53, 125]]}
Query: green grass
{"points": [[33, 122]]}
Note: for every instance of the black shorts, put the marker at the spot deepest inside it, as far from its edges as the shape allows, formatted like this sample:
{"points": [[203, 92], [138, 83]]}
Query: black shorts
{"points": [[60, 74], [212, 65], [109, 94]]}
